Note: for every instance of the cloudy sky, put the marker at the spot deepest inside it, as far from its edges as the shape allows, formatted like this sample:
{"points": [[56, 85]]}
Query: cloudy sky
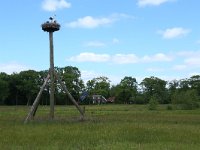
{"points": [[113, 38]]}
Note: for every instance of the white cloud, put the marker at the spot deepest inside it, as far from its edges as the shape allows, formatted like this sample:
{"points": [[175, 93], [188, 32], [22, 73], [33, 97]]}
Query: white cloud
{"points": [[188, 61], [189, 53], [143, 3], [100, 43], [185, 63], [10, 68], [119, 58], [53, 5], [125, 58], [157, 57], [88, 75], [89, 22], [155, 69], [92, 22], [190, 58], [192, 61], [95, 44], [90, 57], [172, 33]]}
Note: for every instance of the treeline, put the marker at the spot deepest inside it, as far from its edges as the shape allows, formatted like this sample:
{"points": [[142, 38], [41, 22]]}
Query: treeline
{"points": [[22, 88]]}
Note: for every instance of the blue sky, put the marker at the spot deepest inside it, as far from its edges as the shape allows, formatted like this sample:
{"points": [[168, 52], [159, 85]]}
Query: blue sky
{"points": [[138, 38]]}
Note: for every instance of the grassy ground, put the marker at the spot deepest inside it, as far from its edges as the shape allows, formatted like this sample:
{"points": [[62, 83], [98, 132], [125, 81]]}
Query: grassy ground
{"points": [[105, 127]]}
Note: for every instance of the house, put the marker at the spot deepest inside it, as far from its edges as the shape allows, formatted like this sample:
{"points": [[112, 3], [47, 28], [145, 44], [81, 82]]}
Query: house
{"points": [[98, 99], [111, 100]]}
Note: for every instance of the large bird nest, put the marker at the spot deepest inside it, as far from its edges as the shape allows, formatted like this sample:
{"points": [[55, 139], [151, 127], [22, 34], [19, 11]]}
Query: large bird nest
{"points": [[50, 26]]}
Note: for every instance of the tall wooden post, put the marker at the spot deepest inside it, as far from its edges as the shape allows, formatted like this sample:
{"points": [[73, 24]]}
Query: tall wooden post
{"points": [[51, 26], [52, 88]]}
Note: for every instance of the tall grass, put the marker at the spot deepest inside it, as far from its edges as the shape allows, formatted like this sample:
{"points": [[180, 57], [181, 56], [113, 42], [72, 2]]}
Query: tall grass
{"points": [[105, 127]]}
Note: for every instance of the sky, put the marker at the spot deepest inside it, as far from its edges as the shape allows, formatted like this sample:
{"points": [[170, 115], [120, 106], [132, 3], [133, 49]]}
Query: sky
{"points": [[112, 38]]}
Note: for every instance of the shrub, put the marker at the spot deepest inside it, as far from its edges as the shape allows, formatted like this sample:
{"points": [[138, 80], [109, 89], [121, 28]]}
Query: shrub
{"points": [[153, 103], [169, 107], [139, 99], [186, 99]]}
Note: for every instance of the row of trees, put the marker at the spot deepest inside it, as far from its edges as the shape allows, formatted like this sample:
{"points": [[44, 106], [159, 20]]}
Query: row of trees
{"points": [[21, 88]]}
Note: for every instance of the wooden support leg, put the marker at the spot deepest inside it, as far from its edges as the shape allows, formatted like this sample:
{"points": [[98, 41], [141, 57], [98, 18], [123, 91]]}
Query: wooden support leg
{"points": [[69, 95], [36, 102]]}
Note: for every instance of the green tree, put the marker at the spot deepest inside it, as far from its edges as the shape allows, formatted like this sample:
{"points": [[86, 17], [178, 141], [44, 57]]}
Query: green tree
{"points": [[99, 86], [14, 97], [129, 82], [194, 83], [125, 91], [29, 84], [71, 76], [184, 84], [45, 94], [4, 87], [173, 86], [139, 99], [154, 86], [124, 96]]}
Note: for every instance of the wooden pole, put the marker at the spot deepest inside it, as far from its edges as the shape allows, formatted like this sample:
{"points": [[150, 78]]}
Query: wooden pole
{"points": [[51, 27], [52, 87], [36, 102], [82, 111]]}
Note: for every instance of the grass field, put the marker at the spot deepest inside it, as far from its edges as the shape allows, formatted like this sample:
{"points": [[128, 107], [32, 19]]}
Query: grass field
{"points": [[106, 127]]}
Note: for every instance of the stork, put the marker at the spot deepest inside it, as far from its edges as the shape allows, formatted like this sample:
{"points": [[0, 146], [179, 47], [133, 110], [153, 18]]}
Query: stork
{"points": [[52, 18]]}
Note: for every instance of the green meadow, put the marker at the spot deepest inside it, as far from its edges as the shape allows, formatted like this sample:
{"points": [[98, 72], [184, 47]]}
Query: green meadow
{"points": [[105, 127]]}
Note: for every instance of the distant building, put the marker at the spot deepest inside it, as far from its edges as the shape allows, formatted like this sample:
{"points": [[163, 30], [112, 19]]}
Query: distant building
{"points": [[98, 99], [111, 100]]}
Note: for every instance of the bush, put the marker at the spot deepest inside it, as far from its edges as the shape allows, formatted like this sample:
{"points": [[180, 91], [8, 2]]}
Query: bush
{"points": [[169, 107], [153, 103], [139, 99], [186, 100]]}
